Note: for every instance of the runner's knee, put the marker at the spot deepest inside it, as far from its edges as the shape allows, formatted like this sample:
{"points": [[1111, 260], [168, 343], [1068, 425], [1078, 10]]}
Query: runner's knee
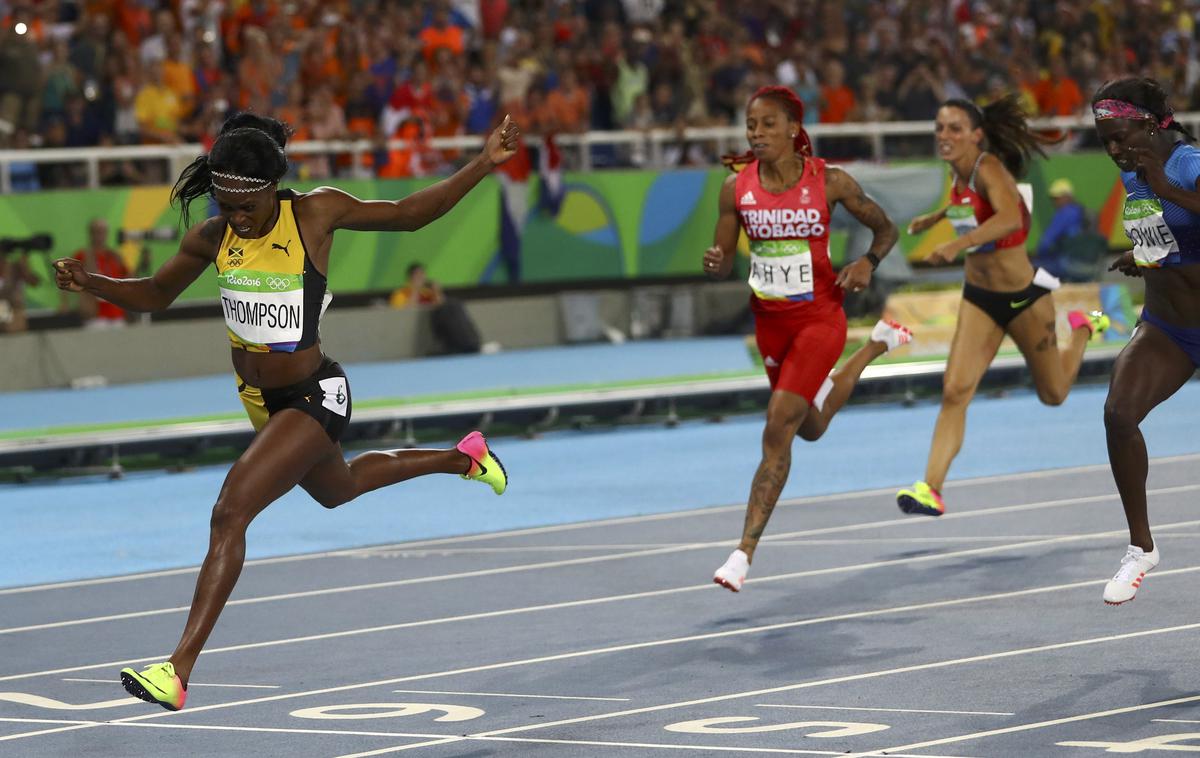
{"points": [[811, 432], [231, 514], [1119, 417], [1052, 395], [956, 392]]}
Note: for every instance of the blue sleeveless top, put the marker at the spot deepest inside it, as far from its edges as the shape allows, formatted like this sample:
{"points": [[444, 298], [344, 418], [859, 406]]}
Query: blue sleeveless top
{"points": [[1163, 234]]}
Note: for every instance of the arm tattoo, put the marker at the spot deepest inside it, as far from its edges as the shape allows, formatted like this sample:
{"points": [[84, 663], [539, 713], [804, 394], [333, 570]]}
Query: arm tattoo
{"points": [[870, 215]]}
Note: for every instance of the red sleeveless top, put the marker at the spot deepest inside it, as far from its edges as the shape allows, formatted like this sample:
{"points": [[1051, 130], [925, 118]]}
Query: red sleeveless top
{"points": [[790, 268], [968, 209]]}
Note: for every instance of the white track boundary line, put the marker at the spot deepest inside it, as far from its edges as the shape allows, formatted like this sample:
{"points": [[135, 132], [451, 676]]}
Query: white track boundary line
{"points": [[190, 684], [789, 502], [711, 749], [617, 598], [509, 694], [434, 739], [782, 537], [1035, 725], [884, 710], [708, 636], [875, 675]]}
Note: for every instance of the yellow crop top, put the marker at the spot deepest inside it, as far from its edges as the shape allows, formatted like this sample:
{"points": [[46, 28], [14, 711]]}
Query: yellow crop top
{"points": [[272, 295]]}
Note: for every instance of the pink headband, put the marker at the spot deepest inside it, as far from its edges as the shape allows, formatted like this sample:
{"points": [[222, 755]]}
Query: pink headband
{"points": [[1110, 109]]}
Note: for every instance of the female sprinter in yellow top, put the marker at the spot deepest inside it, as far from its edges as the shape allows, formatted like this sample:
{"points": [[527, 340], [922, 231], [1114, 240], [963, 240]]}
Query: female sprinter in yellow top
{"points": [[270, 248]]}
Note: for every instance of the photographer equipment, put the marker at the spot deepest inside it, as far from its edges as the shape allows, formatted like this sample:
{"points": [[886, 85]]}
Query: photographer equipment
{"points": [[157, 234], [38, 243]]}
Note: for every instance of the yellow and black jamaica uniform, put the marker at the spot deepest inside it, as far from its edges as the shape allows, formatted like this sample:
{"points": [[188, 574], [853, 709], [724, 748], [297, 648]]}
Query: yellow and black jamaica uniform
{"points": [[273, 298]]}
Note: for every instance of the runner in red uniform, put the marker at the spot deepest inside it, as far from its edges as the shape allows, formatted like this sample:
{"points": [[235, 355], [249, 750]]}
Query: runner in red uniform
{"points": [[783, 200], [987, 150]]}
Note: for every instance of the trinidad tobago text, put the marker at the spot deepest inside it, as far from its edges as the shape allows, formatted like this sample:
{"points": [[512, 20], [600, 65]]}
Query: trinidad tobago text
{"points": [[783, 223]]}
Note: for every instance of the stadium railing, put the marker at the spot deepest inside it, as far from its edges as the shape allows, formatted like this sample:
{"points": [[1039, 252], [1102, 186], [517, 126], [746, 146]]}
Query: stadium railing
{"points": [[651, 145]]}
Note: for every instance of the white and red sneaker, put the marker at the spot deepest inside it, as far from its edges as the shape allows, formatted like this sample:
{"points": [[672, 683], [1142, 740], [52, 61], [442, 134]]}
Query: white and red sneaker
{"points": [[732, 574], [891, 333], [1134, 567]]}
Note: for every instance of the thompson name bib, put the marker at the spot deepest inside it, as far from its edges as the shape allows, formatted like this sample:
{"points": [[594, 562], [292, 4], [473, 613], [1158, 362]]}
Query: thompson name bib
{"points": [[263, 308]]}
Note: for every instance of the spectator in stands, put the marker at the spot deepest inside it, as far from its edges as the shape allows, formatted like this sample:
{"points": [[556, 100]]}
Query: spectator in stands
{"points": [[710, 55], [570, 103], [482, 99], [1069, 221], [99, 257], [633, 78], [59, 82], [178, 74], [23, 175], [82, 122], [158, 109], [418, 290], [15, 275], [441, 35], [20, 82]]}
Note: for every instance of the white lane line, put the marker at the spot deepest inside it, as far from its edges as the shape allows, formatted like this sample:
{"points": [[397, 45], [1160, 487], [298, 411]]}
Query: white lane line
{"points": [[433, 739], [717, 635], [873, 675], [884, 710], [712, 749], [508, 694], [1175, 721], [908, 561], [692, 512], [224, 728], [56, 730], [913, 540], [903, 521], [425, 552], [190, 684], [1035, 725]]}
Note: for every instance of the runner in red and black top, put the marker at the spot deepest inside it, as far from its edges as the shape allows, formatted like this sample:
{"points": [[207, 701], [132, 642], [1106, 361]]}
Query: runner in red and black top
{"points": [[782, 199], [988, 149]]}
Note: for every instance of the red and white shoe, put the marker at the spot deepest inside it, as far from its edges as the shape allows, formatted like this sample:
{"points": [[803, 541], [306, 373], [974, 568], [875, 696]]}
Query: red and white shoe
{"points": [[1134, 567], [891, 333], [732, 574]]}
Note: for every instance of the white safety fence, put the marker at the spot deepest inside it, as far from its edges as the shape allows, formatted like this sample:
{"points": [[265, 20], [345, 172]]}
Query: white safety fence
{"points": [[650, 145]]}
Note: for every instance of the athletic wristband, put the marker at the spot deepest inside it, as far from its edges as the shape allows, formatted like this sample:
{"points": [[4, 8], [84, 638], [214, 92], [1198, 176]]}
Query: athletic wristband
{"points": [[874, 260]]}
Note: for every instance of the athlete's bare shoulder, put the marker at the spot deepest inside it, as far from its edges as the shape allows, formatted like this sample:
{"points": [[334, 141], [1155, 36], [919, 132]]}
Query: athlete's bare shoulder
{"points": [[204, 239]]}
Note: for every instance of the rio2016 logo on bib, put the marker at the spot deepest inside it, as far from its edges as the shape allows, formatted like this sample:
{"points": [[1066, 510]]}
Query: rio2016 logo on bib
{"points": [[1146, 228], [781, 269]]}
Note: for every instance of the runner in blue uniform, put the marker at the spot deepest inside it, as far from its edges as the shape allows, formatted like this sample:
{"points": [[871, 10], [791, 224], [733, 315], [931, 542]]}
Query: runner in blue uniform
{"points": [[1161, 174]]}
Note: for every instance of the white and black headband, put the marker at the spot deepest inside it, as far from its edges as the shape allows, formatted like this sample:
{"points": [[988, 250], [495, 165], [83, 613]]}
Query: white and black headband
{"points": [[255, 183]]}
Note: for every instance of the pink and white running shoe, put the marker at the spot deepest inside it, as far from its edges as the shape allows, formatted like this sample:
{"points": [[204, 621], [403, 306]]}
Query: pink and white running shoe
{"points": [[891, 333]]}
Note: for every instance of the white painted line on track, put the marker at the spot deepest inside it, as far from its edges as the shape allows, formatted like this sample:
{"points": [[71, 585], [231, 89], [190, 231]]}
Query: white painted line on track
{"points": [[1175, 721], [784, 503], [784, 536], [508, 694], [1035, 725], [716, 635], [884, 710], [434, 739], [42, 732], [712, 749], [877, 674], [641, 595], [190, 684]]}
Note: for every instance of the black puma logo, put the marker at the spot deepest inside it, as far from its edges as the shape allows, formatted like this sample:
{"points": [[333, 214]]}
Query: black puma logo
{"points": [[284, 248]]}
